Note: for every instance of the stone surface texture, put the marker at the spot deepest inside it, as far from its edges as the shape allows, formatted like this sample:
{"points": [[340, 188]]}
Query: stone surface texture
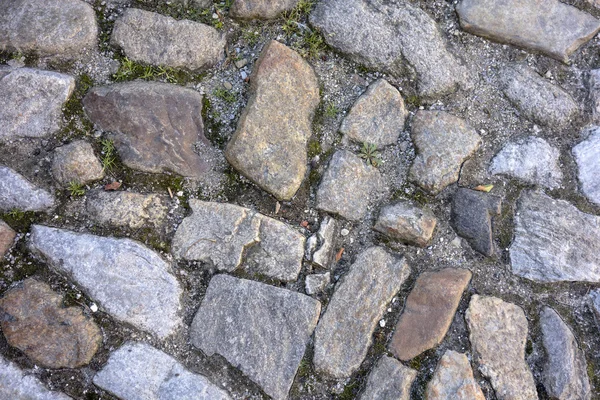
{"points": [[389, 380], [594, 87], [345, 331], [117, 273], [76, 162], [321, 245], [406, 223], [317, 283], [19, 385], [261, 329], [269, 145], [16, 192], [453, 379], [586, 155], [34, 321], [595, 304], [260, 9], [7, 237]]}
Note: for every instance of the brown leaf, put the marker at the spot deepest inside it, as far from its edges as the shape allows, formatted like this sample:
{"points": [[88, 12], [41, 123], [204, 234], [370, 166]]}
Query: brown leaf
{"points": [[112, 186], [484, 188], [304, 224], [338, 255]]}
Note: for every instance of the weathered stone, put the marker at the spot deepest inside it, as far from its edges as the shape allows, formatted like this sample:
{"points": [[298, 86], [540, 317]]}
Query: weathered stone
{"points": [[565, 370], [429, 311], [128, 209], [342, 339], [443, 143], [320, 246], [349, 186], [595, 304], [34, 321], [472, 215], [498, 332], [131, 282], [594, 87], [386, 35], [453, 379], [17, 192], [260, 9], [7, 237], [554, 241], [377, 117], [317, 283], [48, 28], [18, 385], [532, 160], [32, 100], [406, 223], [261, 329], [269, 145], [160, 40], [586, 155], [549, 27], [126, 375], [221, 234], [155, 126], [389, 380], [76, 162]]}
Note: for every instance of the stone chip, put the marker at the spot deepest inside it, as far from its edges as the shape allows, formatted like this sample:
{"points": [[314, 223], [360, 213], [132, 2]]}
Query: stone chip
{"points": [[7, 237], [76, 162], [16, 192], [406, 223], [389, 380]]}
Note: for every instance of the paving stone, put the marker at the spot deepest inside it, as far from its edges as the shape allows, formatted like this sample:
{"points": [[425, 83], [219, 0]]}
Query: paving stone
{"points": [[349, 186], [261, 329], [76, 162], [532, 160], [443, 143], [342, 339], [387, 36], [32, 100], [594, 91], [389, 380], [16, 192], [586, 155], [453, 379], [498, 333], [321, 245], [17, 384], [269, 145], [428, 312], [565, 371], [7, 238], [138, 371], [49, 28], [537, 98], [317, 283], [260, 9], [554, 241], [472, 216], [406, 223], [127, 209], [220, 234], [377, 117], [131, 282], [154, 126], [34, 321], [549, 27], [156, 39]]}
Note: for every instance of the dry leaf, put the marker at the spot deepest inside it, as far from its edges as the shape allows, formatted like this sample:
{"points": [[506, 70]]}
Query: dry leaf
{"points": [[304, 224], [170, 192], [112, 186], [338, 256], [277, 207], [484, 188]]}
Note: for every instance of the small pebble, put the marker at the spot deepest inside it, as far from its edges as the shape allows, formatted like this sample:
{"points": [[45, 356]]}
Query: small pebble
{"points": [[94, 307], [227, 85], [239, 64], [344, 232]]}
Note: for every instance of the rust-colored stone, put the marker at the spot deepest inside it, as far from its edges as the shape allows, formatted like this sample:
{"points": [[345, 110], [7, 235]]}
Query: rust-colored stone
{"points": [[7, 237]]}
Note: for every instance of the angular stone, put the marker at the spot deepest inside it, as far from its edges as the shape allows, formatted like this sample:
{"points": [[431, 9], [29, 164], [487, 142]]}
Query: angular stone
{"points": [[443, 143], [260, 329], [349, 186], [586, 155], [317, 283], [498, 333], [34, 321], [389, 380], [472, 215], [131, 282], [428, 312], [320, 246], [269, 145], [342, 338], [128, 209], [565, 370], [156, 39], [532, 160], [538, 99], [377, 117], [16, 384], [260, 9], [7, 237], [406, 223], [594, 87], [32, 100], [17, 192], [76, 162], [554, 241], [48, 28], [595, 304], [453, 379], [154, 125], [550, 27], [126, 375], [388, 35]]}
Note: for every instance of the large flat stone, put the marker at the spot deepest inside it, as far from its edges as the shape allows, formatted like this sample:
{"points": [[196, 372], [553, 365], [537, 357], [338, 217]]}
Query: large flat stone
{"points": [[389, 380], [554, 241], [587, 154], [269, 145], [260, 9], [360, 299], [16, 192], [406, 223], [550, 27], [131, 282], [260, 329], [17, 384], [453, 379], [76, 162]]}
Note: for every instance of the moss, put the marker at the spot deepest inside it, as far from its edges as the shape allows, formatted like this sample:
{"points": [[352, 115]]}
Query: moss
{"points": [[413, 100], [212, 124], [313, 177], [76, 122], [350, 391], [20, 220], [130, 70], [314, 148]]}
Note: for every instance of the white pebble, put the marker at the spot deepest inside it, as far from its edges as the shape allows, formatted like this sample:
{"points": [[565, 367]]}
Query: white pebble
{"points": [[94, 307], [382, 323], [344, 232]]}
